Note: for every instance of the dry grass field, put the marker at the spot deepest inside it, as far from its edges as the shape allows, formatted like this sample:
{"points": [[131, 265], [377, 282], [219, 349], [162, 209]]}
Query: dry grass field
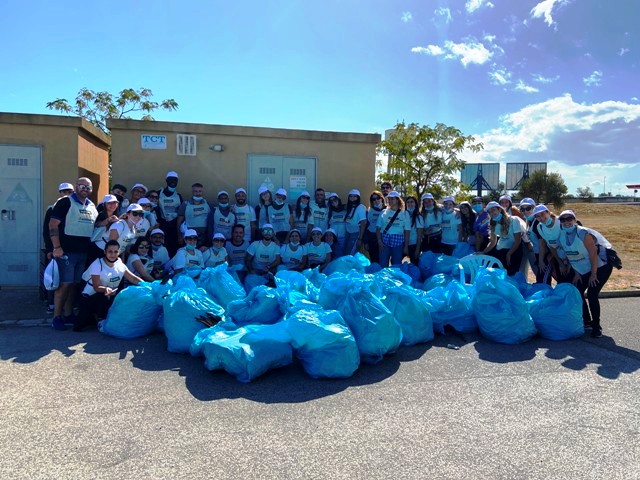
{"points": [[620, 224]]}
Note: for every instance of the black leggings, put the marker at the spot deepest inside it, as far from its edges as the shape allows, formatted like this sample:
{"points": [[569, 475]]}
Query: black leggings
{"points": [[593, 317], [516, 259], [92, 306]]}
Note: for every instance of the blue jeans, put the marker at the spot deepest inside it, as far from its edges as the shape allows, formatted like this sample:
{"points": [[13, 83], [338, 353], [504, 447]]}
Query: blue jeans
{"points": [[72, 267], [350, 243], [396, 254]]}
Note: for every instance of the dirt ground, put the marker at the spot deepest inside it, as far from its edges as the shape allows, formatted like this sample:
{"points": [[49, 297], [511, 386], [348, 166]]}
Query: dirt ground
{"points": [[620, 224]]}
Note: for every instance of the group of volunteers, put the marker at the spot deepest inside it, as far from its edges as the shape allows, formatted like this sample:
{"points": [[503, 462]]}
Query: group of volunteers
{"points": [[155, 234]]}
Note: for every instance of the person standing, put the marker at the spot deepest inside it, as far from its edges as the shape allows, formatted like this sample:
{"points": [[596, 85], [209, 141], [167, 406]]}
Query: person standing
{"points": [[481, 225], [237, 251], [245, 215], [355, 223], [505, 242], [393, 231], [169, 201], [451, 225], [193, 214], [70, 230], [320, 210], [222, 219], [376, 207]]}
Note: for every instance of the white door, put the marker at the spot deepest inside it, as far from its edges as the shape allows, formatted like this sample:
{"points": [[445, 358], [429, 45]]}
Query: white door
{"points": [[20, 203], [294, 174]]}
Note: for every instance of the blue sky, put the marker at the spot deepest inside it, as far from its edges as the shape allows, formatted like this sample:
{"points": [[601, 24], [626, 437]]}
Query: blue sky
{"points": [[551, 80]]}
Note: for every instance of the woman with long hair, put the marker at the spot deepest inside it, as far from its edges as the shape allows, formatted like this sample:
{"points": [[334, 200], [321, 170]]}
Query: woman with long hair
{"points": [[140, 261], [303, 217], [337, 223], [415, 229], [505, 241], [355, 223], [432, 224], [467, 219], [393, 231], [376, 206]]}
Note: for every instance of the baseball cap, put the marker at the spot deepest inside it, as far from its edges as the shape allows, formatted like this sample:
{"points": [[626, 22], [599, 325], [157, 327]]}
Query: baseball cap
{"points": [[65, 186], [218, 235], [393, 193], [567, 212], [134, 207], [426, 196], [172, 174], [266, 226], [109, 198], [305, 194], [493, 204], [157, 231], [355, 191], [190, 232], [139, 185], [449, 198], [281, 191], [262, 189], [540, 208], [239, 190], [528, 201], [223, 192], [144, 201]]}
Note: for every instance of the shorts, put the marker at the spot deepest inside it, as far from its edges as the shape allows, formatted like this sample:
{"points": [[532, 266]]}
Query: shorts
{"points": [[72, 267]]}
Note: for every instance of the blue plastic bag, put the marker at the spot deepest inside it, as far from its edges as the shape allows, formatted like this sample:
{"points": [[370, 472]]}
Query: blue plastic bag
{"points": [[316, 279], [180, 310], [557, 313], [411, 270], [439, 280], [431, 264], [462, 249], [247, 352], [376, 331], [253, 281], [411, 312], [220, 285], [263, 305], [292, 281], [323, 343], [451, 305], [348, 263], [387, 278], [502, 314], [134, 312], [333, 290]]}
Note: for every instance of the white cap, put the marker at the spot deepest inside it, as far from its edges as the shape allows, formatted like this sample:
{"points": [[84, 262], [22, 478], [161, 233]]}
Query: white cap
{"points": [[449, 198], [316, 229], [333, 194], [109, 198], [528, 201], [190, 232], [540, 208], [157, 231], [238, 190], [281, 191], [262, 189], [305, 194], [493, 204], [393, 193], [134, 207], [426, 195], [171, 174], [65, 186], [139, 185], [567, 212], [144, 201], [331, 230], [355, 191], [218, 235], [505, 197], [267, 225], [223, 192], [294, 230]]}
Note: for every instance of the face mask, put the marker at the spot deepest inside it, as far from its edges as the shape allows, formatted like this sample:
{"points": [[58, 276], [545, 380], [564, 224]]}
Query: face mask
{"points": [[410, 210], [215, 249], [191, 248], [429, 209], [304, 203], [147, 214], [279, 202], [223, 205], [498, 218], [548, 222], [294, 244], [171, 189], [448, 210], [570, 229], [329, 242], [154, 205], [197, 199], [530, 217], [477, 208], [155, 247]]}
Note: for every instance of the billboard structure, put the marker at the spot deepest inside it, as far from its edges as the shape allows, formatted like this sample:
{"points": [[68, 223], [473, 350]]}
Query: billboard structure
{"points": [[517, 172], [481, 176]]}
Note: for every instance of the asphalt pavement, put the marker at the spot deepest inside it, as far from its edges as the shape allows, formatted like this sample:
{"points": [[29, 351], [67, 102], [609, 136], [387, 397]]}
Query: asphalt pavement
{"points": [[84, 405]]}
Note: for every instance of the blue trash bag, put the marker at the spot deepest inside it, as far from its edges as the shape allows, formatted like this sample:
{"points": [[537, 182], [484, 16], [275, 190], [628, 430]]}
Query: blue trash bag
{"points": [[316, 279], [387, 278], [252, 281], [445, 264], [426, 263], [200, 338], [324, 344], [501, 311], [462, 249], [292, 280], [557, 313], [373, 268], [263, 305], [301, 304], [357, 262], [439, 280], [519, 282], [411, 270], [333, 290], [172, 285], [180, 310], [134, 312], [411, 312], [376, 331], [534, 288], [220, 285], [247, 352], [451, 305]]}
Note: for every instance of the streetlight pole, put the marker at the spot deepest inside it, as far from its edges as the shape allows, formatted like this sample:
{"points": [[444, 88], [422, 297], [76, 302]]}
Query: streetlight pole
{"points": [[604, 185]]}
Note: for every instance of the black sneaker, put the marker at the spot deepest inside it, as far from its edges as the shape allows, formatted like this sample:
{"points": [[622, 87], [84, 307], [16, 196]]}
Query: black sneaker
{"points": [[596, 332], [587, 326], [58, 323]]}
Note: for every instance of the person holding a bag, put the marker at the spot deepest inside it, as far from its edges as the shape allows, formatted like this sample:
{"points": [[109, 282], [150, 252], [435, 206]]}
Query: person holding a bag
{"points": [[393, 231]]}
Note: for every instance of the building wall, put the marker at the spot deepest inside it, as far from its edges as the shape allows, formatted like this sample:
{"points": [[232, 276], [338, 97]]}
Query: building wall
{"points": [[344, 160], [93, 162]]}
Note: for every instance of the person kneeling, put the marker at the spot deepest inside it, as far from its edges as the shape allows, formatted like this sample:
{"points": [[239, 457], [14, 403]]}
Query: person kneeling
{"points": [[105, 275]]}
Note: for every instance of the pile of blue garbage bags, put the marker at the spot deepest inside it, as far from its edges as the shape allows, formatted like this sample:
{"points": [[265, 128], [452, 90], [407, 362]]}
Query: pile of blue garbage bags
{"points": [[331, 322]]}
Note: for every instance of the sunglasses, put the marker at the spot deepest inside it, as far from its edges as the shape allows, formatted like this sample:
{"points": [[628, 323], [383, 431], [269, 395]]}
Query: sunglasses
{"points": [[137, 214], [334, 199], [216, 240], [566, 219], [268, 230], [376, 198], [85, 187], [190, 239], [316, 234], [143, 246], [138, 190], [153, 197], [526, 209]]}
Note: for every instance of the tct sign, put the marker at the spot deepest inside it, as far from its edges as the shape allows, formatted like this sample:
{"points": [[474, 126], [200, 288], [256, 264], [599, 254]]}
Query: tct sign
{"points": [[156, 142]]}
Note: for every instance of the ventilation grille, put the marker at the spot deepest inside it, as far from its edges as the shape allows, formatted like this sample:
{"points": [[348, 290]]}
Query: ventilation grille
{"points": [[298, 171], [267, 171], [18, 162], [186, 145]]}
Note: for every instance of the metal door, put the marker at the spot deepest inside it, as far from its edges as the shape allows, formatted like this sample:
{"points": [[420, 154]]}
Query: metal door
{"points": [[20, 187], [294, 174]]}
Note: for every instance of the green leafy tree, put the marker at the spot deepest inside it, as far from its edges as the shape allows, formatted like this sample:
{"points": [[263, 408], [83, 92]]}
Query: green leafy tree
{"points": [[544, 187], [97, 107], [422, 158], [494, 195], [585, 193]]}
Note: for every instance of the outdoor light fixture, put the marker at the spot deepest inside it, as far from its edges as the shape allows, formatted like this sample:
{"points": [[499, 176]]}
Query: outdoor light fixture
{"points": [[216, 148]]}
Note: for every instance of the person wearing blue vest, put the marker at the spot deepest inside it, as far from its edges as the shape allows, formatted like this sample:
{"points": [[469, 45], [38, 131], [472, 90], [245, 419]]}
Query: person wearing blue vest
{"points": [[168, 203], [70, 230]]}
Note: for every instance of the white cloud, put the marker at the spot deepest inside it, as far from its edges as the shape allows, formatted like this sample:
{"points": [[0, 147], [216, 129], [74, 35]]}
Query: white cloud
{"points": [[623, 51], [593, 80], [541, 79], [634, 99], [406, 17], [473, 5], [544, 9], [470, 52], [445, 13], [500, 76], [523, 87]]}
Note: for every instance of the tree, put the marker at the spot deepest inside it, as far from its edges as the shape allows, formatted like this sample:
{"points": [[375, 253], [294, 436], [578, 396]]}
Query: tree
{"points": [[97, 107], [425, 159], [544, 187], [494, 195], [585, 193]]}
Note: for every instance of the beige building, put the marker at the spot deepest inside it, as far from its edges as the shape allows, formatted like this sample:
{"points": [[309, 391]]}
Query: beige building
{"points": [[227, 157], [37, 153]]}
